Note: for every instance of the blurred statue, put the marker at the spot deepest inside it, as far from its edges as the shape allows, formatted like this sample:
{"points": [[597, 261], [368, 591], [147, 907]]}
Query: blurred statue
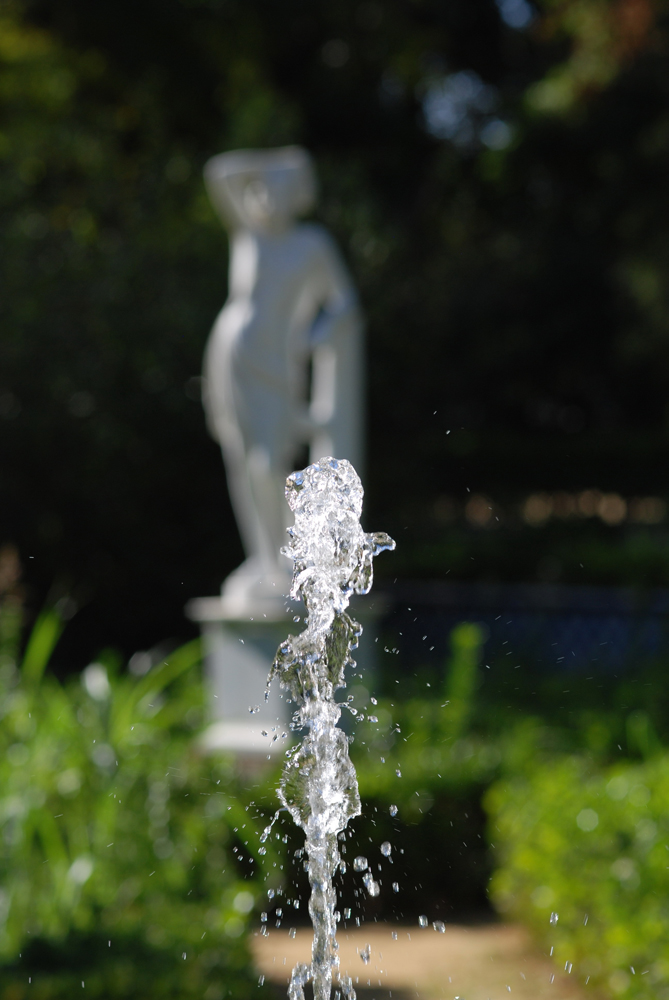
{"points": [[283, 368]]}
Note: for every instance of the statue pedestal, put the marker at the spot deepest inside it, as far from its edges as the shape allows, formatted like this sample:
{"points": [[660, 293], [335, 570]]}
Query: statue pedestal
{"points": [[238, 655]]}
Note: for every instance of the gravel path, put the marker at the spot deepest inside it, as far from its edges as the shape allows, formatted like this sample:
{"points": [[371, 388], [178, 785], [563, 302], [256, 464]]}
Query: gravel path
{"points": [[488, 962]]}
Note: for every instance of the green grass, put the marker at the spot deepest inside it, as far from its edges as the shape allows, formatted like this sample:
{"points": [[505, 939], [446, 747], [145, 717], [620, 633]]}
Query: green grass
{"points": [[116, 834]]}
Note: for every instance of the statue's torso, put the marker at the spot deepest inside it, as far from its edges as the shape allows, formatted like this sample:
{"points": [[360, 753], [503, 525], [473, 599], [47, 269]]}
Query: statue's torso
{"points": [[256, 355], [277, 285]]}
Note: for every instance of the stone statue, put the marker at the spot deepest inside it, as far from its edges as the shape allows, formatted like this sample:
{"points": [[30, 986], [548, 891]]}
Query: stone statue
{"points": [[283, 368]]}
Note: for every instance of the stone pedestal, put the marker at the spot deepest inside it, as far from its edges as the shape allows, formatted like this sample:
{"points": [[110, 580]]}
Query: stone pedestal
{"points": [[238, 656]]}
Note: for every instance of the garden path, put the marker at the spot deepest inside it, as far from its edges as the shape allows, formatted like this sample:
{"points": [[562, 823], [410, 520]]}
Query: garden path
{"points": [[481, 962]]}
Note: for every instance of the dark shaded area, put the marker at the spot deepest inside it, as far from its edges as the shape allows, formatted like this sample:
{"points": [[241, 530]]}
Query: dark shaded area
{"points": [[124, 966], [567, 631], [440, 861], [515, 292]]}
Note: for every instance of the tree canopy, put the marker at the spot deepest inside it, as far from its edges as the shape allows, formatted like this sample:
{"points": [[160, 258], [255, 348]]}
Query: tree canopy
{"points": [[494, 172]]}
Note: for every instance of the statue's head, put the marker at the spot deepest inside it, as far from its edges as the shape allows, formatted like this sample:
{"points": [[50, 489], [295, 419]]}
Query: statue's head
{"points": [[261, 189]]}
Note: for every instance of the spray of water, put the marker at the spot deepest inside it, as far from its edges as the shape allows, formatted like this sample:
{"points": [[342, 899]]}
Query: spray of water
{"points": [[332, 560]]}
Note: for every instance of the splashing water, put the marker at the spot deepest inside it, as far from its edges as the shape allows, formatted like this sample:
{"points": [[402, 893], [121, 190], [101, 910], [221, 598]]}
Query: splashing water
{"points": [[332, 559]]}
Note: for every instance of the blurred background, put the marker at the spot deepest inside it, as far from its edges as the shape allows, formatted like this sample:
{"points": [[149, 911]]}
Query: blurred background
{"points": [[495, 173], [495, 176]]}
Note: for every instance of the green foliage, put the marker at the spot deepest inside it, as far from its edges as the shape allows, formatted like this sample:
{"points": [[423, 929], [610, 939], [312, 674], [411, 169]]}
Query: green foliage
{"points": [[427, 739], [103, 231], [422, 755], [514, 296], [462, 678], [517, 722], [43, 639], [589, 844], [116, 861]]}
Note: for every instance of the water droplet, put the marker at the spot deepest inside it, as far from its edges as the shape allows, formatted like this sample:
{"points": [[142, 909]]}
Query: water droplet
{"points": [[292, 932], [261, 980], [270, 893], [360, 864], [393, 810], [263, 917], [396, 887], [422, 920], [373, 718], [296, 618], [373, 701], [366, 954], [439, 926], [371, 886], [386, 848], [347, 913], [398, 772], [554, 918]]}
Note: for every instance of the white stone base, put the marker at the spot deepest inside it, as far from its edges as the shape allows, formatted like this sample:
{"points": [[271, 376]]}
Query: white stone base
{"points": [[238, 736], [239, 653]]}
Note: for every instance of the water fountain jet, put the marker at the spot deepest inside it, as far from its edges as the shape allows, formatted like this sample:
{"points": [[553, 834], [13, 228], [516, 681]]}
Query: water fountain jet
{"points": [[332, 560]]}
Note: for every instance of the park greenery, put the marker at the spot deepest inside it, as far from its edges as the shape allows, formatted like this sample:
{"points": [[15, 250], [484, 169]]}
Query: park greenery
{"points": [[587, 846], [492, 793], [494, 173], [133, 862], [559, 800], [118, 866]]}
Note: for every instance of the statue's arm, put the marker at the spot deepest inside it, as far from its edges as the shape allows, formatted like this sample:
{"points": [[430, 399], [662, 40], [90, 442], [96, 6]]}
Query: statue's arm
{"points": [[339, 314], [335, 320], [335, 341]]}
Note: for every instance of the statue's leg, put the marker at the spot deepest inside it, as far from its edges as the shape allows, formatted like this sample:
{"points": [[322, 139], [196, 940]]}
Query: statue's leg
{"points": [[242, 496], [267, 486]]}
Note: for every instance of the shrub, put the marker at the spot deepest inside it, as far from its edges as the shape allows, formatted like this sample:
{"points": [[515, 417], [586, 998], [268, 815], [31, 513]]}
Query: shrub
{"points": [[117, 839], [421, 755], [592, 847]]}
